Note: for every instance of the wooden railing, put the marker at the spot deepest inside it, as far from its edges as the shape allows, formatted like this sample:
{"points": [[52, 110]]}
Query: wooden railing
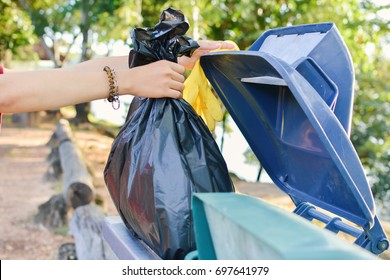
{"points": [[77, 199]]}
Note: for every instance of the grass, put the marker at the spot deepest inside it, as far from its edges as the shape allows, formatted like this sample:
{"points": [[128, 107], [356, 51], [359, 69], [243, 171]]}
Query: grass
{"points": [[63, 231]]}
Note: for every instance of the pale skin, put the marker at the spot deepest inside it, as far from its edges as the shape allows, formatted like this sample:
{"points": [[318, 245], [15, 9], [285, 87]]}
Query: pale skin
{"points": [[51, 89]]}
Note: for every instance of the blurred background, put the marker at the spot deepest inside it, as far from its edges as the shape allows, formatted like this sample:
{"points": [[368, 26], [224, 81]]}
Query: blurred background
{"points": [[57, 33]]}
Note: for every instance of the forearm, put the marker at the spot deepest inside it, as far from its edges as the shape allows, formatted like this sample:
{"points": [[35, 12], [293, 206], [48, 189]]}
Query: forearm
{"points": [[116, 62], [51, 89]]}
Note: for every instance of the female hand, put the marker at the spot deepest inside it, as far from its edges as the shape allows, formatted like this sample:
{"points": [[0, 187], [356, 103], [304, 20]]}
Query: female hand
{"points": [[205, 46], [155, 80]]}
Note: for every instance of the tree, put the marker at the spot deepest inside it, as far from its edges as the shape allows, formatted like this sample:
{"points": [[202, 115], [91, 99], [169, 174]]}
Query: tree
{"points": [[109, 21], [52, 23], [15, 32], [371, 122], [251, 159], [117, 27]]}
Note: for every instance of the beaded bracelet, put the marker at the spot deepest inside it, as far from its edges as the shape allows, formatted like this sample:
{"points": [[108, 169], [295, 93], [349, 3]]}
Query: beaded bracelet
{"points": [[113, 90]]}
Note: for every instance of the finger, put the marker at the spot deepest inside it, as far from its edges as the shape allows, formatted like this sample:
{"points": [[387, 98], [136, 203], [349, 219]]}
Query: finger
{"points": [[177, 77], [184, 60], [227, 45], [198, 53], [208, 45], [176, 86], [177, 68], [212, 45], [174, 94]]}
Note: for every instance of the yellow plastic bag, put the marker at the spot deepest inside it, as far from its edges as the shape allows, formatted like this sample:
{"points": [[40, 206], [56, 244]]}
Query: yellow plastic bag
{"points": [[199, 94]]}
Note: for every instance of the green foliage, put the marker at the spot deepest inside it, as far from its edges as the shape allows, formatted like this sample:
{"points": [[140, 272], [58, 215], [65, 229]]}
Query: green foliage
{"points": [[63, 231], [371, 122], [60, 23], [250, 157], [116, 26], [16, 30]]}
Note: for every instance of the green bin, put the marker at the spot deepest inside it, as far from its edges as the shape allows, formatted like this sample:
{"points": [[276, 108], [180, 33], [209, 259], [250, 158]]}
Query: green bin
{"points": [[236, 226]]}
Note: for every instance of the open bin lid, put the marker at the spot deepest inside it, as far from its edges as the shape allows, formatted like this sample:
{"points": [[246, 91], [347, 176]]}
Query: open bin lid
{"points": [[291, 96]]}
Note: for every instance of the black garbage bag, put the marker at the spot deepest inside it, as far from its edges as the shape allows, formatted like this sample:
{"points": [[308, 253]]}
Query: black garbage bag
{"points": [[162, 155], [166, 40]]}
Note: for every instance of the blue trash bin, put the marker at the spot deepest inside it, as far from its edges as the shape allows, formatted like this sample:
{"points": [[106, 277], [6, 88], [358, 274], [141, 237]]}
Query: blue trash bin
{"points": [[291, 96]]}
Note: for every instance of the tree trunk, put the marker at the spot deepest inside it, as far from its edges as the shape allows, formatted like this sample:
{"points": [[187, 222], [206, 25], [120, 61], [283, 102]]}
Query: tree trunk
{"points": [[53, 213], [78, 186], [82, 110], [86, 228], [50, 53], [7, 58], [67, 251], [30, 119], [259, 173], [87, 218], [224, 124]]}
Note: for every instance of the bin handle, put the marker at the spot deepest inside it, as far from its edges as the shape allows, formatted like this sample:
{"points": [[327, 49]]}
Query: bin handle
{"points": [[265, 80]]}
